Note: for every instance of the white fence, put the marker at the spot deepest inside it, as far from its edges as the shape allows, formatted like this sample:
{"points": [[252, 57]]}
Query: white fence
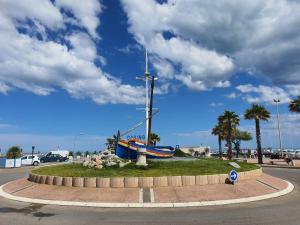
{"points": [[10, 163]]}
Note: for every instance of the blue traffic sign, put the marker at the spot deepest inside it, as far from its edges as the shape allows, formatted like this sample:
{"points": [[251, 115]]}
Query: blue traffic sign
{"points": [[233, 175]]}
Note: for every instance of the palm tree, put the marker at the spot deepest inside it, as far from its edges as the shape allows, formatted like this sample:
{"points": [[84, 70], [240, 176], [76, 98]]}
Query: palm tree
{"points": [[218, 130], [13, 152], [295, 105], [229, 120], [239, 136], [257, 113], [154, 138]]}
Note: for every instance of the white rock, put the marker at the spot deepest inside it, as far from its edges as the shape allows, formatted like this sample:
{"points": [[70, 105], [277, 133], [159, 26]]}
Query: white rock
{"points": [[235, 165], [122, 164]]}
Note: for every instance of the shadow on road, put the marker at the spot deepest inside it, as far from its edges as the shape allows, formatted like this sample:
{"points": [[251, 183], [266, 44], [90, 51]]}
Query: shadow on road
{"points": [[32, 209]]}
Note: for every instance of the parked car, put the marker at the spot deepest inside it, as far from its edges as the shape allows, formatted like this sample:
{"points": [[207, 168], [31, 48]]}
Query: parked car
{"points": [[291, 154], [297, 154], [53, 158], [29, 160], [275, 155], [63, 153], [267, 154]]}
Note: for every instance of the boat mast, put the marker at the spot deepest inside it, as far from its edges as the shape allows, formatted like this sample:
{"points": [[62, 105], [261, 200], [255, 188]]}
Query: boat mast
{"points": [[150, 111], [147, 97]]}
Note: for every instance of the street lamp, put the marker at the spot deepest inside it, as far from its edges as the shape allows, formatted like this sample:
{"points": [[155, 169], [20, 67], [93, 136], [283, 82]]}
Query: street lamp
{"points": [[278, 125]]}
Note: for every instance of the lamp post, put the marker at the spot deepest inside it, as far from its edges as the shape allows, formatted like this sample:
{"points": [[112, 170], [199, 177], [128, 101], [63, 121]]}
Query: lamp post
{"points": [[278, 125], [32, 152]]}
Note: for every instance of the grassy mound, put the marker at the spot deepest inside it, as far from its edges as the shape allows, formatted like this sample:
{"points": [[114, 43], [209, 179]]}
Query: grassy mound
{"points": [[179, 153], [155, 168]]}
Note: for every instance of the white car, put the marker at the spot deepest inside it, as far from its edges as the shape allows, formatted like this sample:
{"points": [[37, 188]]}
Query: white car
{"points": [[29, 160], [297, 154]]}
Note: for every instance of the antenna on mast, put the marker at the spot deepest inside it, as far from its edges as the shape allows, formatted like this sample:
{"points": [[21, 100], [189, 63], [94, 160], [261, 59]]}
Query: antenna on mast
{"points": [[147, 72]]}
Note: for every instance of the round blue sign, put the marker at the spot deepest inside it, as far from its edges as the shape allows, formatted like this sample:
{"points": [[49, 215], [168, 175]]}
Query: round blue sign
{"points": [[233, 175]]}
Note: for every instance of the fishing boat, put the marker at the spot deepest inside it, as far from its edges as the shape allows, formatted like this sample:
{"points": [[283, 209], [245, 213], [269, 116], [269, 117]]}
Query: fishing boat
{"points": [[129, 149], [133, 148]]}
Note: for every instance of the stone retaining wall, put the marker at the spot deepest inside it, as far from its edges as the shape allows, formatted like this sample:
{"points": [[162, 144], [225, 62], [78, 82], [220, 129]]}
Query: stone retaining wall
{"points": [[141, 182]]}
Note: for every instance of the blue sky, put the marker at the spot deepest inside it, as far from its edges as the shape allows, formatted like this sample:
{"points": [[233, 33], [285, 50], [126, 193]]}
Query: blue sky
{"points": [[69, 68]]}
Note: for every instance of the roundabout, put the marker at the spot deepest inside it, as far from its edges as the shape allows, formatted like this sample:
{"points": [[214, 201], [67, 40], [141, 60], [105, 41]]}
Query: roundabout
{"points": [[266, 212], [175, 190]]}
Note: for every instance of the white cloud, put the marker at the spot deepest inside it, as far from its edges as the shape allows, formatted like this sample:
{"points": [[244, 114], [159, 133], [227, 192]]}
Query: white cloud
{"points": [[232, 95], [199, 67], [83, 46], [86, 12], [162, 89], [216, 104], [41, 10], [43, 65], [165, 69], [4, 88], [293, 89], [263, 94], [197, 36]]}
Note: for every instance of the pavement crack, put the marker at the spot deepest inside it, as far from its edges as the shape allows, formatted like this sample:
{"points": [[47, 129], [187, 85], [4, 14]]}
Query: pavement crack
{"points": [[266, 184]]}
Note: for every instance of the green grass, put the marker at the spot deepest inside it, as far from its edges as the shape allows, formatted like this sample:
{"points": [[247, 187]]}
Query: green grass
{"points": [[155, 168]]}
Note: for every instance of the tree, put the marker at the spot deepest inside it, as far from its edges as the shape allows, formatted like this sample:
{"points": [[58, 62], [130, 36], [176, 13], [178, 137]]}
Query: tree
{"points": [[87, 153], [257, 113], [110, 142], [218, 130], [71, 153], [13, 152], [229, 121], [154, 138], [239, 136], [78, 153], [294, 106]]}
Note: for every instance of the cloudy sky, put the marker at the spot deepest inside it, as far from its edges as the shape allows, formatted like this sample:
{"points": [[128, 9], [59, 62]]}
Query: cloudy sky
{"points": [[68, 68]]}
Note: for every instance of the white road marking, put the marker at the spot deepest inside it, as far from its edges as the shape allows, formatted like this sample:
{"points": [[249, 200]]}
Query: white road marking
{"points": [[146, 205], [151, 195], [141, 200]]}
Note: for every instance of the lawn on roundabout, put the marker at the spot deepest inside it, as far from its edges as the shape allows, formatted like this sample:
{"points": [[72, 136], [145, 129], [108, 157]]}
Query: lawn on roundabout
{"points": [[154, 169]]}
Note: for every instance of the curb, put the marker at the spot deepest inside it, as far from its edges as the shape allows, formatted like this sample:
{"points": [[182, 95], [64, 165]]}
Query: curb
{"points": [[148, 205], [280, 167], [141, 182]]}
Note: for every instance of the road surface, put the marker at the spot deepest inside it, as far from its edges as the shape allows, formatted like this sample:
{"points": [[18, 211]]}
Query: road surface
{"points": [[278, 211]]}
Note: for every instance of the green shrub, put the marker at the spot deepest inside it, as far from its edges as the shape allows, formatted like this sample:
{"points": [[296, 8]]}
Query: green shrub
{"points": [[13, 152]]}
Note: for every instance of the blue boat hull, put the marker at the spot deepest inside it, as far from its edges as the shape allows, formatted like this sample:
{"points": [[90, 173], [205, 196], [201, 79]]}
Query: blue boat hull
{"points": [[129, 150]]}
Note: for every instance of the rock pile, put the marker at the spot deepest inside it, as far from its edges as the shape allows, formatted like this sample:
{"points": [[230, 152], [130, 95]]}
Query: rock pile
{"points": [[105, 159]]}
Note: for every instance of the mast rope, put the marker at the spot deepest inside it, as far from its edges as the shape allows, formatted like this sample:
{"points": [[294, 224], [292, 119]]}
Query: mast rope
{"points": [[138, 124]]}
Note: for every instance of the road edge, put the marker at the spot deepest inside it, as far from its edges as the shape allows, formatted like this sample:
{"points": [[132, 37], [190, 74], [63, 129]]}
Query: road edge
{"points": [[287, 190]]}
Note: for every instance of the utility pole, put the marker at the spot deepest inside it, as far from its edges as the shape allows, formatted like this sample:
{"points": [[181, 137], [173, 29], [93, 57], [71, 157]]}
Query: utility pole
{"points": [[278, 125]]}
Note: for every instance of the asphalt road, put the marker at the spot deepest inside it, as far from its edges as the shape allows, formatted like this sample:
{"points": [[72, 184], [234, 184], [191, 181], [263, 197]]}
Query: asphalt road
{"points": [[283, 210]]}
